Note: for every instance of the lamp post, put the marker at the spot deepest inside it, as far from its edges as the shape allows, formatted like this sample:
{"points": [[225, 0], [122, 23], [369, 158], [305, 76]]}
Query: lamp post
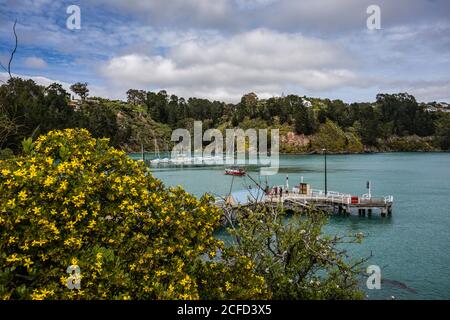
{"points": [[326, 187]]}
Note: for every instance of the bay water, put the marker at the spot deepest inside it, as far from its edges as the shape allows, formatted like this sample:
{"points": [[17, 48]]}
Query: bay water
{"points": [[412, 247]]}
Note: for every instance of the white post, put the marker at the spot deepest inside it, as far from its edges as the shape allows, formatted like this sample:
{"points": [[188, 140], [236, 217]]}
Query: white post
{"points": [[287, 182]]}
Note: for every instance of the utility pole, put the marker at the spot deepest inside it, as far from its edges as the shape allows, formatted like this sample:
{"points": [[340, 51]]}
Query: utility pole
{"points": [[325, 155]]}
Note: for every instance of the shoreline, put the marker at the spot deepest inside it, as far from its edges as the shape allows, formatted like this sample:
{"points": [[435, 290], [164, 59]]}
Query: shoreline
{"points": [[329, 152]]}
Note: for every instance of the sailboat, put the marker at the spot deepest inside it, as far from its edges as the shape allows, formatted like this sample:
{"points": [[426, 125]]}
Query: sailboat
{"points": [[181, 158], [157, 159]]}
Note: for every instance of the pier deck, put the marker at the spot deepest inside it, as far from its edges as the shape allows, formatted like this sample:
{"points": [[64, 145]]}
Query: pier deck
{"points": [[331, 201]]}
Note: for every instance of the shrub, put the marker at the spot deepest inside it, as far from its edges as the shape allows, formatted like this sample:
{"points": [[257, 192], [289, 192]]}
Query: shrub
{"points": [[6, 154], [295, 258], [331, 137], [73, 200]]}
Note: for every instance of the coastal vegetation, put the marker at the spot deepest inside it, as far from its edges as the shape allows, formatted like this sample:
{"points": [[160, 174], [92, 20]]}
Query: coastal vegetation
{"points": [[297, 260], [394, 122], [72, 201]]}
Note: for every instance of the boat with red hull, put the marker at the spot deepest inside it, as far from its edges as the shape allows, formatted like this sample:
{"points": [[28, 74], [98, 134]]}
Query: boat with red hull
{"points": [[235, 171]]}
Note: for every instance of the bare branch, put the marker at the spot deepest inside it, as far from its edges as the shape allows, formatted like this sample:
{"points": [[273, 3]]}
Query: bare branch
{"points": [[8, 70]]}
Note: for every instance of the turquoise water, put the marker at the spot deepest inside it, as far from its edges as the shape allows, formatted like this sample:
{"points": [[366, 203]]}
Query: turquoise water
{"points": [[412, 246]]}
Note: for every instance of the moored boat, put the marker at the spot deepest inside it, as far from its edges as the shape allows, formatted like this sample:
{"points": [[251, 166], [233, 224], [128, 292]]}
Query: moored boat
{"points": [[235, 171]]}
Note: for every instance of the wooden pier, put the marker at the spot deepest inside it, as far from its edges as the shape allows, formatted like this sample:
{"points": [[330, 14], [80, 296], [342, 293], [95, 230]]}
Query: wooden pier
{"points": [[331, 201]]}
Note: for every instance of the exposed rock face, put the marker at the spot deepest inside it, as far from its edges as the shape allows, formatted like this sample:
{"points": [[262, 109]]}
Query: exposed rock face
{"points": [[295, 140]]}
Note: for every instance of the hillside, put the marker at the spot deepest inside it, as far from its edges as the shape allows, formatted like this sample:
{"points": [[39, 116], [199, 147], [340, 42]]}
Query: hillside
{"points": [[394, 122]]}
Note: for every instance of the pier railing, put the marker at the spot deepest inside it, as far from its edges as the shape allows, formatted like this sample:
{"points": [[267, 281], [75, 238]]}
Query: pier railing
{"points": [[319, 197], [316, 195]]}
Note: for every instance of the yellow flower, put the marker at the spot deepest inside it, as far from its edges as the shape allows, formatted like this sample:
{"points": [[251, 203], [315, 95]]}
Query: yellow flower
{"points": [[91, 224], [49, 181], [28, 262], [227, 286], [5, 172], [33, 172], [38, 243], [41, 294], [13, 258], [160, 273], [19, 173], [23, 195], [63, 185], [12, 203]]}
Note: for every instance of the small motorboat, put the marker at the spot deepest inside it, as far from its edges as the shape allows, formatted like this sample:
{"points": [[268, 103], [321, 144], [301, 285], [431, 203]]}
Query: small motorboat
{"points": [[235, 171]]}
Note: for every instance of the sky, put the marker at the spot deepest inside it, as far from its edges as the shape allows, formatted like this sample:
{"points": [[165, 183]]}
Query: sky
{"points": [[222, 49]]}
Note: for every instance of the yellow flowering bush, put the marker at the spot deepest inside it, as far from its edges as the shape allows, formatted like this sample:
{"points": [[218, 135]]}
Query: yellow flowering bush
{"points": [[72, 200]]}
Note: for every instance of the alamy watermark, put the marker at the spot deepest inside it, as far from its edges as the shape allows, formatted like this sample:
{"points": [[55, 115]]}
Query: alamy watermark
{"points": [[373, 22], [73, 22], [374, 279], [74, 279], [241, 147]]}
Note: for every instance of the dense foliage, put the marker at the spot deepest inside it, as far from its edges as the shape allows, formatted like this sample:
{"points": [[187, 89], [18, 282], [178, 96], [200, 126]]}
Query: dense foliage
{"points": [[28, 110], [295, 257], [73, 200], [392, 122]]}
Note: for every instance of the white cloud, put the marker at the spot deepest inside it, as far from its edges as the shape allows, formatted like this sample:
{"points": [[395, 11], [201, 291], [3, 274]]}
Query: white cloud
{"points": [[422, 90], [35, 63], [214, 48], [260, 60]]}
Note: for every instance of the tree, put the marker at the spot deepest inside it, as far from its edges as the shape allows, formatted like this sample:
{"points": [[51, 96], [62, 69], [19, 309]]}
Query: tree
{"points": [[29, 109], [296, 260], [368, 124], [331, 137], [443, 132], [247, 107], [74, 201], [136, 96], [59, 113], [100, 119], [401, 108], [304, 120], [7, 127], [23, 108], [80, 89]]}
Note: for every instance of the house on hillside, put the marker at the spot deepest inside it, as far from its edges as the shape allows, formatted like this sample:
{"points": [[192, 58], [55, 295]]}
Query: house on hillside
{"points": [[306, 103], [431, 109]]}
